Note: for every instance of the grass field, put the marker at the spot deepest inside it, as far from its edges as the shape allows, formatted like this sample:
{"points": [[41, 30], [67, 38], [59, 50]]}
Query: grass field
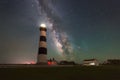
{"points": [[61, 73]]}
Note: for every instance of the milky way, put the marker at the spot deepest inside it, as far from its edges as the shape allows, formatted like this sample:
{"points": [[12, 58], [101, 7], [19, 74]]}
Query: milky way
{"points": [[52, 19]]}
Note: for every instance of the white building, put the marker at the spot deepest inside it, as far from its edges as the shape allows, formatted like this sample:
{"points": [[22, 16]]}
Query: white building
{"points": [[91, 62]]}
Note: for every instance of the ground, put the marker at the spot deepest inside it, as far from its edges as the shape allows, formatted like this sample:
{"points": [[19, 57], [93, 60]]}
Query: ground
{"points": [[61, 73]]}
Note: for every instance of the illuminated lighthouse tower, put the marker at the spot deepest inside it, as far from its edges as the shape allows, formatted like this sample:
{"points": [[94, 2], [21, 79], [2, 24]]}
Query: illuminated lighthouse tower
{"points": [[42, 51]]}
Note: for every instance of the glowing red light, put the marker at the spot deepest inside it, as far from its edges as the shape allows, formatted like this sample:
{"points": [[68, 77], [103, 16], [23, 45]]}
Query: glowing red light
{"points": [[49, 63]]}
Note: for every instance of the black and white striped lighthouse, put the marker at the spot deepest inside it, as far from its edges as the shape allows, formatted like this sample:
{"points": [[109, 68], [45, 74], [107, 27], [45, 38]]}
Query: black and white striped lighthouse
{"points": [[42, 51]]}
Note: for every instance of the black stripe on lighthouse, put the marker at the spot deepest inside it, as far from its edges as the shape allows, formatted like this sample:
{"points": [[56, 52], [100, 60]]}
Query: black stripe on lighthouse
{"points": [[42, 50], [43, 29], [43, 38]]}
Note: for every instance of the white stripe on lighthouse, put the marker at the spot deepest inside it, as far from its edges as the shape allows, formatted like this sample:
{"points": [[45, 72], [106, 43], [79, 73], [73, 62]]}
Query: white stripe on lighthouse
{"points": [[42, 33], [42, 44]]}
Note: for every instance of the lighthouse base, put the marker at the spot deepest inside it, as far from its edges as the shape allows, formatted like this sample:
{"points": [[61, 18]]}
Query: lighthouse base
{"points": [[42, 59]]}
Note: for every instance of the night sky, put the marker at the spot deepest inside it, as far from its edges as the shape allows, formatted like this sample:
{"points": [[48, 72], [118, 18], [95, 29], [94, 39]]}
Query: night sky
{"points": [[92, 29]]}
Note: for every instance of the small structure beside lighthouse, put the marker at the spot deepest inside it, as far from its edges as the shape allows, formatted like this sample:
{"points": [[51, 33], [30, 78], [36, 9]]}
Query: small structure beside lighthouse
{"points": [[42, 50]]}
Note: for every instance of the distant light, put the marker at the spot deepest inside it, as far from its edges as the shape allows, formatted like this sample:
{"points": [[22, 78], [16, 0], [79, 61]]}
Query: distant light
{"points": [[92, 63], [27, 63], [43, 25], [32, 62]]}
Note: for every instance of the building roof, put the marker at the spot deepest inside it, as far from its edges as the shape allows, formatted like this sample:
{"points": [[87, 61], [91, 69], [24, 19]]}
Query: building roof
{"points": [[90, 59]]}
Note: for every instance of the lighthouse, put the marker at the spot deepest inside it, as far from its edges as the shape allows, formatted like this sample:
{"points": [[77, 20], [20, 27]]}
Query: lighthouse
{"points": [[42, 50]]}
